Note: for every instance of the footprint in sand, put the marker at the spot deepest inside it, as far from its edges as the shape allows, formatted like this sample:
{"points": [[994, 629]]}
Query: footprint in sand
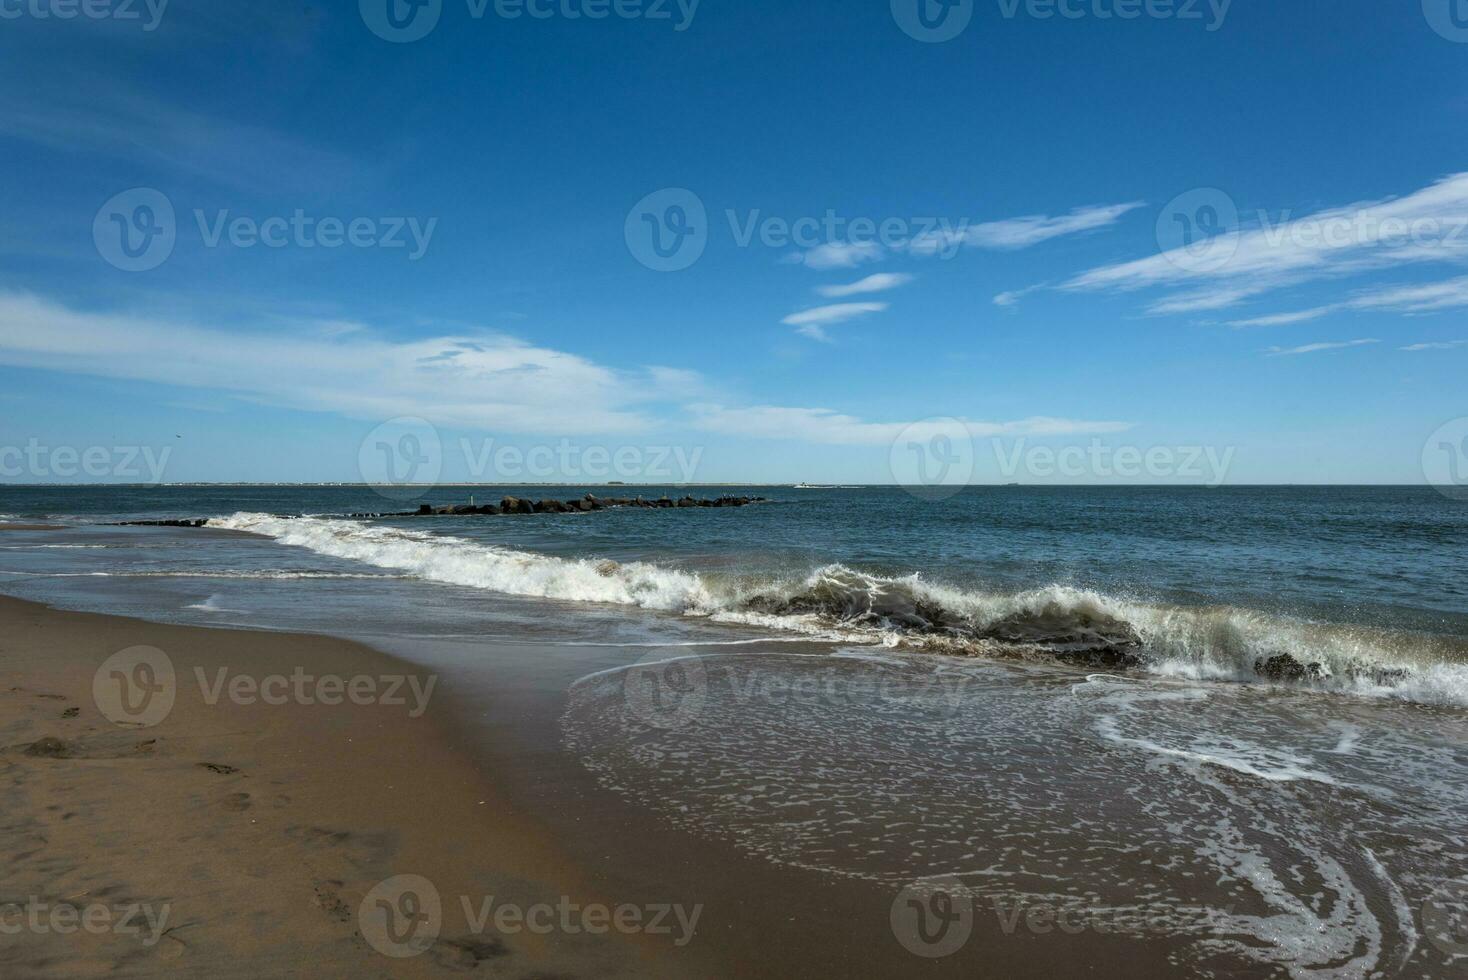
{"points": [[218, 769], [236, 802], [466, 954], [329, 901]]}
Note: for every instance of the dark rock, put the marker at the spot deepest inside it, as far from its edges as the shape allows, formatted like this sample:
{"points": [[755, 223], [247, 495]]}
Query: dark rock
{"points": [[1286, 668], [198, 522], [425, 509], [1072, 637], [514, 505]]}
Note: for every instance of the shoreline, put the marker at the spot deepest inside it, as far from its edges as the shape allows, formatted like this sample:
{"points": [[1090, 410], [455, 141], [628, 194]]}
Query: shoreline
{"points": [[243, 837], [526, 723]]}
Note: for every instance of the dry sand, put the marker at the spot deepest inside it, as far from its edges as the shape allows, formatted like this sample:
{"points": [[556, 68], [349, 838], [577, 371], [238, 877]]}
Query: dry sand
{"points": [[242, 839]]}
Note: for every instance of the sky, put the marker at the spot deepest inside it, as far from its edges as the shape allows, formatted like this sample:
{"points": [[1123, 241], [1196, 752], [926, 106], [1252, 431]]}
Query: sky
{"points": [[835, 241]]}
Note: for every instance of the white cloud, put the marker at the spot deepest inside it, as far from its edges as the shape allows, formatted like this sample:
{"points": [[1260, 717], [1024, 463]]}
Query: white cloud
{"points": [[1284, 319], [474, 380], [946, 237], [1436, 345], [811, 323], [1031, 230], [819, 425], [877, 283], [97, 114], [1430, 225], [1312, 348], [837, 255], [1428, 298], [1013, 296]]}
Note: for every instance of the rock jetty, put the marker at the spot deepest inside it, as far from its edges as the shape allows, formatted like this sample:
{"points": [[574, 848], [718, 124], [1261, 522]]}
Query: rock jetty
{"points": [[517, 506]]}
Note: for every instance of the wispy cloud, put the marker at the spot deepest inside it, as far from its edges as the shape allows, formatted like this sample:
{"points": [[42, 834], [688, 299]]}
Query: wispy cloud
{"points": [[1429, 298], [1430, 225], [1313, 348], [837, 255], [812, 323], [946, 237], [109, 119], [819, 425], [880, 282], [1436, 345], [1033, 229], [1013, 296], [480, 380]]}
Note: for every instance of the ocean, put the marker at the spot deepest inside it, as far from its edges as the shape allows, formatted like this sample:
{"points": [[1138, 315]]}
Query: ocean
{"points": [[1237, 717]]}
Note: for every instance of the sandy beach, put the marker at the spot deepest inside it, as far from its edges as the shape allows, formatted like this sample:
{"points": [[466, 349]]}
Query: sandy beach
{"points": [[246, 839], [324, 767]]}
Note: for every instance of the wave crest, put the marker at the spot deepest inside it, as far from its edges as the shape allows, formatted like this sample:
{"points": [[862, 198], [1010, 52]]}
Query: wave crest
{"points": [[1071, 625]]}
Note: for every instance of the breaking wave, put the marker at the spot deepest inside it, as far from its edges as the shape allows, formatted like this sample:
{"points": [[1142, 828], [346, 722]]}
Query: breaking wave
{"points": [[1057, 623]]}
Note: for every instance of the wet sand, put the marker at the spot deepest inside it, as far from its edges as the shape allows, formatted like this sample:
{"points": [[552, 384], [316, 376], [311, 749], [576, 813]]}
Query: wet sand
{"points": [[248, 838], [760, 919], [241, 839]]}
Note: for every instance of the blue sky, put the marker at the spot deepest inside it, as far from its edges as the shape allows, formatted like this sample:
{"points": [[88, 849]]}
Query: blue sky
{"points": [[1030, 179]]}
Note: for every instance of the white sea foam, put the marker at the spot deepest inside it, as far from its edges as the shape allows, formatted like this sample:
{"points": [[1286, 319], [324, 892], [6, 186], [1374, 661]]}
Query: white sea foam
{"points": [[212, 605], [1221, 815], [842, 604]]}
